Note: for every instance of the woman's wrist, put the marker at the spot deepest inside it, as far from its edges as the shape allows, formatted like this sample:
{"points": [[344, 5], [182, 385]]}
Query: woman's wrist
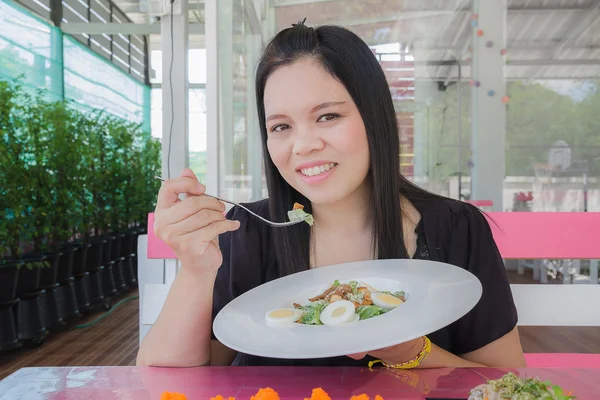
{"points": [[412, 352], [407, 355]]}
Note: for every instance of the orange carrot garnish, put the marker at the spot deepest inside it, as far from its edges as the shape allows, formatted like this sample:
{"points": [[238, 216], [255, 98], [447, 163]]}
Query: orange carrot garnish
{"points": [[172, 396], [319, 394], [265, 394]]}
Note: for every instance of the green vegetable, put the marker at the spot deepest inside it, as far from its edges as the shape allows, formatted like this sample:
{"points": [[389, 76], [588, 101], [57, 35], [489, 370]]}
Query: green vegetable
{"points": [[336, 283], [300, 215], [366, 312], [312, 313], [354, 286], [358, 298], [512, 387], [400, 294]]}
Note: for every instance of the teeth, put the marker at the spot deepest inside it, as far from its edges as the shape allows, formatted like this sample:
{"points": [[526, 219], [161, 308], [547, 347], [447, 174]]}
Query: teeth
{"points": [[317, 170]]}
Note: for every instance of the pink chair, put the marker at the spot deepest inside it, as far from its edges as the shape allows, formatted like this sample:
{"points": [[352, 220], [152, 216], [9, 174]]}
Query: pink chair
{"points": [[481, 203], [562, 360], [156, 247], [553, 235]]}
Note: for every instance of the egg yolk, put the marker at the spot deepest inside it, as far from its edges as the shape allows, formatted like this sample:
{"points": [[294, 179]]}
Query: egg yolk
{"points": [[338, 312], [281, 314], [389, 299]]}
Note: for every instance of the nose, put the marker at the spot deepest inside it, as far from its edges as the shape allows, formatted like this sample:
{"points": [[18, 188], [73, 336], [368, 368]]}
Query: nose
{"points": [[307, 141]]}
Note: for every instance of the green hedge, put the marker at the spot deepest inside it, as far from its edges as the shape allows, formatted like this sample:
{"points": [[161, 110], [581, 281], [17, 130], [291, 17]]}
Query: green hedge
{"points": [[67, 174]]}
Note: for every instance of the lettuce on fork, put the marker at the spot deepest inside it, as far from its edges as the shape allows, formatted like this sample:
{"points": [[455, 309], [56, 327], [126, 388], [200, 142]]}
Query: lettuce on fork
{"points": [[298, 214]]}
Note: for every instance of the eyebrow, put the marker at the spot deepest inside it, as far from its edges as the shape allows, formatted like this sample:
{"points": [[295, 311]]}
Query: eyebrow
{"points": [[315, 109]]}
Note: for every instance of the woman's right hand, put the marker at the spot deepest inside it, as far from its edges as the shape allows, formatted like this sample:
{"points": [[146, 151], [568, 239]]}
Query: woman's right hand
{"points": [[191, 227]]}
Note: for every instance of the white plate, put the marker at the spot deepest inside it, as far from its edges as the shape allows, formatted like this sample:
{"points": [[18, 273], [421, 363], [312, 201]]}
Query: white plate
{"points": [[437, 294]]}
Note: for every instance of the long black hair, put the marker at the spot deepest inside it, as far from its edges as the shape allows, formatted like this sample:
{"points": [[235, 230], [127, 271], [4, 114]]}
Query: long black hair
{"points": [[348, 59]]}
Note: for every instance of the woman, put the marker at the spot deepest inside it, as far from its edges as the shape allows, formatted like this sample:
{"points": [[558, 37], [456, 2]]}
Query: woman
{"points": [[330, 140]]}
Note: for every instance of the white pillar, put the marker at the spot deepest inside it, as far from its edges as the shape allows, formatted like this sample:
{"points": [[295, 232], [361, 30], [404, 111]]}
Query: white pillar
{"points": [[212, 96], [428, 97], [489, 112], [174, 42], [254, 147], [225, 95]]}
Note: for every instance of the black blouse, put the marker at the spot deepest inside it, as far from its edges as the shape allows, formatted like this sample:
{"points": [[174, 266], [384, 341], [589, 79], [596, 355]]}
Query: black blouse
{"points": [[450, 231]]}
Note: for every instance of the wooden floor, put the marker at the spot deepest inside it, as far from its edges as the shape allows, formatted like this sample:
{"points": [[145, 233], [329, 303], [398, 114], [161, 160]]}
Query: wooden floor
{"points": [[114, 341], [111, 341]]}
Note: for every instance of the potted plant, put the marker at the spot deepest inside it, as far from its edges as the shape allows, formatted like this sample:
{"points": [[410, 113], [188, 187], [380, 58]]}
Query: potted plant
{"points": [[522, 201], [12, 196]]}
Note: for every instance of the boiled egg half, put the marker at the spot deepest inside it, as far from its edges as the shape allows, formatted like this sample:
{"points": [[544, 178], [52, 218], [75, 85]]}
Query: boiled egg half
{"points": [[282, 317], [385, 301], [338, 312]]}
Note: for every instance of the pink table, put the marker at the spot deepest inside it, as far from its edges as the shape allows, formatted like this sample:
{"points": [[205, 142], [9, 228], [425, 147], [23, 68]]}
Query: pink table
{"points": [[133, 383]]}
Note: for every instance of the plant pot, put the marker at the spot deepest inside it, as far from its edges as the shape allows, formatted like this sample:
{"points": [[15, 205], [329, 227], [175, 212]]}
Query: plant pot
{"points": [[8, 326], [107, 250], [94, 254], [65, 265], [80, 259], [117, 246], [30, 269], [130, 242], [30, 323], [9, 277], [49, 275]]}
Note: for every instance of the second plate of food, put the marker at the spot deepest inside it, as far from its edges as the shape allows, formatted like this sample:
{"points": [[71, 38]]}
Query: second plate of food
{"points": [[347, 308]]}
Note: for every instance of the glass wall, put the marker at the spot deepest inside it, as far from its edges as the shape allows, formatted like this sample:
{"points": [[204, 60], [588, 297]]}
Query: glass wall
{"points": [[39, 56], [30, 50], [240, 172], [496, 101], [552, 125], [93, 82]]}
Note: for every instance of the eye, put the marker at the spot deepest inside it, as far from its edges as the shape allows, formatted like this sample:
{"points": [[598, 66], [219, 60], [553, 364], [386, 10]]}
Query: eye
{"points": [[279, 128], [327, 117]]}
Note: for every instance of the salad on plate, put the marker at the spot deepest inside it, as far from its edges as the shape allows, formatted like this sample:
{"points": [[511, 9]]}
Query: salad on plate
{"points": [[339, 304], [511, 387]]}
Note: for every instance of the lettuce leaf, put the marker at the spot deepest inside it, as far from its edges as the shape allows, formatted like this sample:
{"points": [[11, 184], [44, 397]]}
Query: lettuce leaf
{"points": [[300, 215], [312, 312], [366, 312]]}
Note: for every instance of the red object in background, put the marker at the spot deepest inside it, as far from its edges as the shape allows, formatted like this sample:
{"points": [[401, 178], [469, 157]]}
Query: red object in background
{"points": [[523, 197], [401, 79]]}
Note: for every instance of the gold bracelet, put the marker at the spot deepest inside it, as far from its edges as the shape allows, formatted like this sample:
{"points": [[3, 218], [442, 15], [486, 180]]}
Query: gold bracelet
{"points": [[415, 362]]}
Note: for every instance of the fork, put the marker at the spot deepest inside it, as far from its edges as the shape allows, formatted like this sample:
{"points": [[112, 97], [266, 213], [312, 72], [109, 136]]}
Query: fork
{"points": [[266, 221]]}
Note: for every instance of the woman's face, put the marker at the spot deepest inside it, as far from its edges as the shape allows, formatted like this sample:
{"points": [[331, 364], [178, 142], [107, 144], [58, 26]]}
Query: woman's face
{"points": [[316, 135]]}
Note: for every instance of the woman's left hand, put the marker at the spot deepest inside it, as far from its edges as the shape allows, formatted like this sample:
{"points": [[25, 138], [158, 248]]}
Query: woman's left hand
{"points": [[396, 354]]}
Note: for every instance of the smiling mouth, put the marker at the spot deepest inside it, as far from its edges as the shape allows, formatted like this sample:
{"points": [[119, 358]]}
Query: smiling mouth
{"points": [[313, 171]]}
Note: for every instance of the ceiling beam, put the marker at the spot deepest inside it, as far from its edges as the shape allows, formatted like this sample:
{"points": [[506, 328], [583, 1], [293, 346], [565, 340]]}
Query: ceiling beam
{"points": [[550, 63], [587, 19], [293, 3], [533, 46], [415, 14], [113, 28]]}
